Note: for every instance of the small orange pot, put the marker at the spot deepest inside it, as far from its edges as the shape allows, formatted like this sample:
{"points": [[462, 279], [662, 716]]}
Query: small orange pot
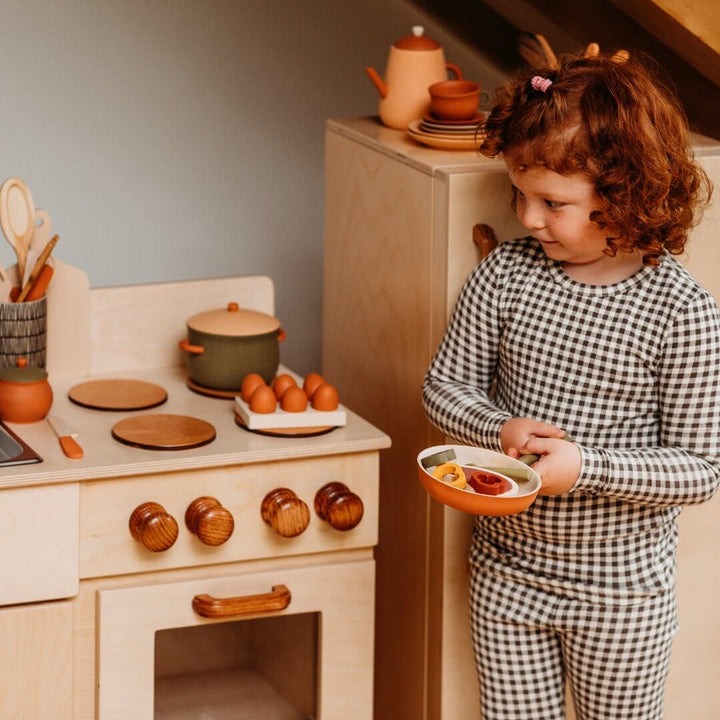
{"points": [[25, 393]]}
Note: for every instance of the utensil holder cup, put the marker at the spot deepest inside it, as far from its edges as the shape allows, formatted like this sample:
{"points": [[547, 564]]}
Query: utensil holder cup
{"points": [[23, 332]]}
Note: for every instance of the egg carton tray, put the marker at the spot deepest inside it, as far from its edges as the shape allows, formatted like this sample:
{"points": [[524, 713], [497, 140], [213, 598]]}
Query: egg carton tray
{"points": [[309, 418]]}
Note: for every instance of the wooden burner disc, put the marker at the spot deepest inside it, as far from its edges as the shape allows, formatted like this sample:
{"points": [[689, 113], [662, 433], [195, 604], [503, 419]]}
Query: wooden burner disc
{"points": [[117, 394], [286, 432], [212, 392], [164, 432]]}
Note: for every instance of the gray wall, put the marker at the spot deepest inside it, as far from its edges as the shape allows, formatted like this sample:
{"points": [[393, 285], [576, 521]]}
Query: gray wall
{"points": [[182, 139]]}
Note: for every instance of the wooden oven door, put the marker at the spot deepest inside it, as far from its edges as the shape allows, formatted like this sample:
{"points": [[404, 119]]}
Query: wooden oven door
{"points": [[292, 668]]}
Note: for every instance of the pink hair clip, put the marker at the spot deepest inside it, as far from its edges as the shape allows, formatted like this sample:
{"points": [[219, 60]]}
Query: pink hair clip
{"points": [[540, 83]]}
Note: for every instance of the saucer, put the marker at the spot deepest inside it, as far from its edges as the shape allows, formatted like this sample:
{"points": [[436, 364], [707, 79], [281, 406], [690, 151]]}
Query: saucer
{"points": [[443, 142], [430, 119], [448, 132]]}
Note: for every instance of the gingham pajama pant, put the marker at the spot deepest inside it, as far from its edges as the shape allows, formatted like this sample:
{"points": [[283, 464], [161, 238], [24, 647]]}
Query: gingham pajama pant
{"points": [[528, 642]]}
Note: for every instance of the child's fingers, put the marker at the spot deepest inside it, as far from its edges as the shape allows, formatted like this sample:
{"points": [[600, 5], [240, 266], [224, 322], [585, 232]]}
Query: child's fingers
{"points": [[548, 430], [537, 446]]}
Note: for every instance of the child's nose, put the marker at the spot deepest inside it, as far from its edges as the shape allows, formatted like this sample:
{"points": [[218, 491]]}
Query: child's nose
{"points": [[531, 216]]}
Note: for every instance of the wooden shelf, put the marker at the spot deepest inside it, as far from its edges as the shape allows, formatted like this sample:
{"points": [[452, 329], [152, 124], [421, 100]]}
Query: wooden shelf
{"points": [[233, 694]]}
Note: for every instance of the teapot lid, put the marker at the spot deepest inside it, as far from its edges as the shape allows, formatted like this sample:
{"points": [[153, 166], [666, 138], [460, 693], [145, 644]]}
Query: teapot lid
{"points": [[417, 41], [22, 373]]}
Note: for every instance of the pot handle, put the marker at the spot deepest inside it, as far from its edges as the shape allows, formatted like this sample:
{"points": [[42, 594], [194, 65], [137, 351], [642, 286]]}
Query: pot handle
{"points": [[281, 335], [192, 349]]}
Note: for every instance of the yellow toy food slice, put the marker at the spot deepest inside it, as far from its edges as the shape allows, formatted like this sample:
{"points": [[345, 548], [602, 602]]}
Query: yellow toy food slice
{"points": [[452, 474]]}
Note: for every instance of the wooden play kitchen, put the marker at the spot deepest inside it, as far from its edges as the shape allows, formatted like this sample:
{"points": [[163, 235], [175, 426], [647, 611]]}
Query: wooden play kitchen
{"points": [[185, 564]]}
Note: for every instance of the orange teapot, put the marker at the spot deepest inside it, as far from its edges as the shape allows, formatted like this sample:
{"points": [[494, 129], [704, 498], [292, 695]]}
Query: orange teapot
{"points": [[415, 62]]}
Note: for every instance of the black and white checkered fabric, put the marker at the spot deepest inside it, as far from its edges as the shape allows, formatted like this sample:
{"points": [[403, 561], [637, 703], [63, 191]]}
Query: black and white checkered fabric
{"points": [[528, 644], [631, 371]]}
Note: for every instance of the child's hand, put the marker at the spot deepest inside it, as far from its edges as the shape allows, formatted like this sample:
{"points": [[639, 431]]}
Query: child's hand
{"points": [[515, 432], [559, 464]]}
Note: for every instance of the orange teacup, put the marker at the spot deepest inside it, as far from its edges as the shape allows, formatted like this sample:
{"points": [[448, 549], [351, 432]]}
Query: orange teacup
{"points": [[454, 99]]}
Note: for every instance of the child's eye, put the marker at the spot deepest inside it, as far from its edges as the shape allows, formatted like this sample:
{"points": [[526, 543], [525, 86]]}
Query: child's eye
{"points": [[554, 204]]}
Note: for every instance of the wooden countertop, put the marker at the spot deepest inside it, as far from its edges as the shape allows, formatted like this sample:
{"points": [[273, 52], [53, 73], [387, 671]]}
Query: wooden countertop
{"points": [[106, 457]]}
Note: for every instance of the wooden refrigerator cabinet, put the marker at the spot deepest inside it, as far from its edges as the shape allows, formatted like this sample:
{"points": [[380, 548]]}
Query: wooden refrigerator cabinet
{"points": [[399, 221]]}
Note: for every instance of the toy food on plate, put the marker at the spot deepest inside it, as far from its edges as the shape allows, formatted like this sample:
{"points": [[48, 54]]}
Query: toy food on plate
{"points": [[452, 474], [495, 484], [286, 403], [488, 483]]}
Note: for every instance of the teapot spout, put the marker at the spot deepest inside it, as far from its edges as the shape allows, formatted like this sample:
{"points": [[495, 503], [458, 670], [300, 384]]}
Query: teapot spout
{"points": [[377, 81]]}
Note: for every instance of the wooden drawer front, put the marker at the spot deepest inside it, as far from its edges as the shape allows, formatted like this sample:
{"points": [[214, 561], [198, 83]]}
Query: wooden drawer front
{"points": [[342, 594], [39, 543], [107, 547]]}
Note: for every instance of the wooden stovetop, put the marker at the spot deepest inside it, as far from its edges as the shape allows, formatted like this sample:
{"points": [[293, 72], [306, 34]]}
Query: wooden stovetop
{"points": [[105, 457]]}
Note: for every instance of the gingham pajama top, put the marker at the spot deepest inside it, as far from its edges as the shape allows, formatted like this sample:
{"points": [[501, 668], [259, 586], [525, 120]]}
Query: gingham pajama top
{"points": [[631, 371]]}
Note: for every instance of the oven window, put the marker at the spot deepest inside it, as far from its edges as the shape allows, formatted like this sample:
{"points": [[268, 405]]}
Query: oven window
{"points": [[246, 669]]}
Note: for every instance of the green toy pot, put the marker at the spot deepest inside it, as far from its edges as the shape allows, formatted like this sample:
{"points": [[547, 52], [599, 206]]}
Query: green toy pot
{"points": [[222, 346]]}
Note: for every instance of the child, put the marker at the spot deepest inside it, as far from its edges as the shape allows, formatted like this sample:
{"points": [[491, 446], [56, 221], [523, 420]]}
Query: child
{"points": [[589, 329]]}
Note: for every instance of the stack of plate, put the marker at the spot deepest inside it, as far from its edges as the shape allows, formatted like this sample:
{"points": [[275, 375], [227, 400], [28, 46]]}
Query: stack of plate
{"points": [[448, 134]]}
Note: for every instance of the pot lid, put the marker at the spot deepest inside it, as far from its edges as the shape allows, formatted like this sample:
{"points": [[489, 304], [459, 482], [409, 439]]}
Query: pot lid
{"points": [[233, 321], [23, 373], [417, 41]]}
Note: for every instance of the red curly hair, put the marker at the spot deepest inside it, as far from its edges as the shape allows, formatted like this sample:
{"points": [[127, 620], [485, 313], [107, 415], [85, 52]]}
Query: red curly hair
{"points": [[620, 123]]}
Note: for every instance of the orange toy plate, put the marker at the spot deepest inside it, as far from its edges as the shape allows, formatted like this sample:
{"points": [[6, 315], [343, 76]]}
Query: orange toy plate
{"points": [[527, 479]]}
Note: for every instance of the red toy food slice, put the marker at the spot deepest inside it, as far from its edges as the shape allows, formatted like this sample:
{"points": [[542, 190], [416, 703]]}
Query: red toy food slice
{"points": [[487, 483]]}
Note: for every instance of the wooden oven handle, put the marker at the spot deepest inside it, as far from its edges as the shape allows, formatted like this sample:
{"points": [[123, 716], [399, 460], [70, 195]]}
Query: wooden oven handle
{"points": [[210, 607]]}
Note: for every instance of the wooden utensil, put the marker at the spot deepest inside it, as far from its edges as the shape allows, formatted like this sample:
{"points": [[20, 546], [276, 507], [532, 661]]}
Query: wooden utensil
{"points": [[41, 237], [536, 51], [38, 288], [17, 218], [67, 437], [43, 230], [44, 255]]}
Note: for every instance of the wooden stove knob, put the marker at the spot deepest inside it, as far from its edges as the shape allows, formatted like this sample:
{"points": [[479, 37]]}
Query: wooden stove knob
{"points": [[209, 520], [285, 512], [153, 527], [337, 505]]}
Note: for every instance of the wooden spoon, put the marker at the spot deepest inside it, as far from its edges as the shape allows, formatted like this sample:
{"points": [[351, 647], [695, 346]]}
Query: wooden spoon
{"points": [[17, 218]]}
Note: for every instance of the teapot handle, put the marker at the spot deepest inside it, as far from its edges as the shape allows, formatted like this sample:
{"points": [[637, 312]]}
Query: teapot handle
{"points": [[454, 69]]}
